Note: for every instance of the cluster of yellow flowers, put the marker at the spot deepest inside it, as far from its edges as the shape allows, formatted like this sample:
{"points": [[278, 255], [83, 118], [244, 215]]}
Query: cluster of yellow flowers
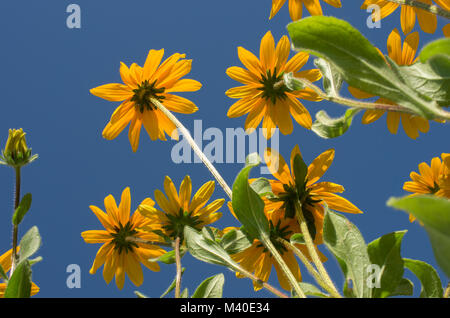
{"points": [[131, 240]]}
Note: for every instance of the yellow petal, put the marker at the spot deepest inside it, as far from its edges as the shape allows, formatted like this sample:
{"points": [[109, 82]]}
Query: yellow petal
{"points": [[267, 52], [119, 120], [393, 120], [407, 18], [125, 206], [250, 61], [96, 236], [135, 131], [242, 75], [276, 6], [113, 92], [185, 193], [179, 104], [202, 196], [277, 166], [185, 85], [247, 91], [295, 9], [313, 6], [102, 217], [410, 48], [371, 115], [296, 62], [319, 166], [299, 112], [152, 62], [394, 46], [111, 210], [254, 117], [133, 269], [100, 258], [120, 271], [338, 203], [283, 117], [243, 106], [282, 53], [269, 121], [151, 124], [427, 20], [172, 195]]}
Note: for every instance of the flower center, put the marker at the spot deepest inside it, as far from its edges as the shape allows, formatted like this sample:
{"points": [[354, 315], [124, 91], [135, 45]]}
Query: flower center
{"points": [[272, 86], [434, 189], [144, 92], [120, 235], [276, 231], [289, 198], [175, 227]]}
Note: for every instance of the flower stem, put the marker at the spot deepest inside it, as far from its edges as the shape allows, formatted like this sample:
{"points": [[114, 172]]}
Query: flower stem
{"points": [[284, 267], [441, 114], [434, 9], [193, 145], [178, 264], [311, 248], [309, 267], [15, 226], [260, 282], [142, 241]]}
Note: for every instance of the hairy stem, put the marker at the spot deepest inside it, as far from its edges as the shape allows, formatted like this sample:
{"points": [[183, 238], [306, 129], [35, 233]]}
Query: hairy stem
{"points": [[442, 114], [309, 267], [434, 9], [15, 227], [178, 264], [142, 241], [311, 248], [284, 267], [193, 145]]}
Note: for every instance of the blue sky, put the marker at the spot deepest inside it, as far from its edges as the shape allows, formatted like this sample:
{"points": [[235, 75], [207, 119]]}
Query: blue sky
{"points": [[48, 69]]}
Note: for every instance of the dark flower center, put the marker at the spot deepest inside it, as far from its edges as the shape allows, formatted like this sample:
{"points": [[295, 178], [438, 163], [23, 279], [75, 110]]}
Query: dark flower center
{"points": [[276, 232], [175, 227], [144, 92], [434, 189], [290, 196], [119, 237], [272, 86]]}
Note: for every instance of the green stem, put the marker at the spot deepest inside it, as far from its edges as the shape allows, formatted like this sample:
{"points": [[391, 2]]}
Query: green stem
{"points": [[441, 114], [434, 9], [179, 270], [15, 227], [284, 268], [311, 247], [193, 145], [142, 241], [309, 267]]}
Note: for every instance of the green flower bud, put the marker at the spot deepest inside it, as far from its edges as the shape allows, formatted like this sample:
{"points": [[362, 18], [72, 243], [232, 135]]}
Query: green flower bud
{"points": [[16, 152]]}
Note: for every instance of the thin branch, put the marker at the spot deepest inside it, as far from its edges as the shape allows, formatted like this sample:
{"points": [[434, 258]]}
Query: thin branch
{"points": [[178, 264], [434, 9], [193, 145]]}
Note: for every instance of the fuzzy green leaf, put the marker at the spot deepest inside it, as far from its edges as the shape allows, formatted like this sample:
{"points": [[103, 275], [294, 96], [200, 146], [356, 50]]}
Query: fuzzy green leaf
{"points": [[211, 287]]}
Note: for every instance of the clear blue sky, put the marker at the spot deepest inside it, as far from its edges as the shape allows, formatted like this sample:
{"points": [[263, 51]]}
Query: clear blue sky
{"points": [[48, 69]]}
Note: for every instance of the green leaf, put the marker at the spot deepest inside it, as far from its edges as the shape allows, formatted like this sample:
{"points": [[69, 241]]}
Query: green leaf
{"points": [[300, 170], [345, 241], [172, 285], [438, 47], [327, 127], [235, 241], [332, 79], [431, 284], [297, 238], [357, 60], [404, 288], [22, 209], [262, 187], [208, 233], [247, 205], [139, 294], [431, 79], [29, 244], [206, 250], [385, 252], [19, 286], [184, 293], [434, 213], [211, 287], [169, 257]]}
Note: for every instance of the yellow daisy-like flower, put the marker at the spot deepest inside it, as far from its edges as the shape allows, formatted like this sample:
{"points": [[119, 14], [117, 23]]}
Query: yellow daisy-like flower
{"points": [[434, 179], [296, 10], [262, 97], [427, 20], [412, 124], [178, 210], [6, 262], [118, 254], [155, 80], [258, 260], [314, 195]]}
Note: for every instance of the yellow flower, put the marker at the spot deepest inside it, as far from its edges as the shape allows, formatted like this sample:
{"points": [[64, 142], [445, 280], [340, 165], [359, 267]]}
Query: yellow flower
{"points": [[434, 179], [118, 254], [178, 210], [427, 20], [412, 124], [154, 80], [315, 193], [258, 260], [295, 7], [262, 96], [16, 152], [5, 262]]}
